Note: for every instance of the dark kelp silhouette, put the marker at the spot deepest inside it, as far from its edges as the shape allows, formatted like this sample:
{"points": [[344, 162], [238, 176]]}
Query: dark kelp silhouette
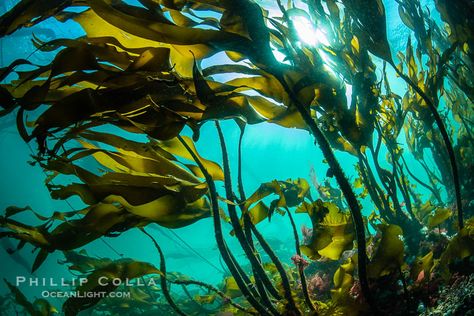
{"points": [[138, 70]]}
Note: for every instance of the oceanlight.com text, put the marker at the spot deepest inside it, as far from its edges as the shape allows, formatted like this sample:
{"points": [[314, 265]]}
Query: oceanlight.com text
{"points": [[79, 294]]}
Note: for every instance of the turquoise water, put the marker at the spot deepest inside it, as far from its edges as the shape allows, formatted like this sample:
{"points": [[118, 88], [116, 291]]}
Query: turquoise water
{"points": [[270, 152]]}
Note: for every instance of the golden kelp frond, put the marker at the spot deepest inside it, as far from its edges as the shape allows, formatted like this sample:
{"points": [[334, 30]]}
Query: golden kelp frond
{"points": [[332, 230], [101, 219], [27, 13], [370, 24], [259, 212], [458, 19], [460, 247], [230, 288], [439, 217], [431, 215], [80, 261], [136, 189], [152, 69], [422, 265], [342, 300], [290, 194], [145, 174], [132, 42], [91, 89], [106, 280], [347, 126], [389, 254], [138, 279], [180, 56], [228, 100], [167, 211], [141, 298], [60, 216], [40, 307], [119, 201], [133, 191], [175, 147]]}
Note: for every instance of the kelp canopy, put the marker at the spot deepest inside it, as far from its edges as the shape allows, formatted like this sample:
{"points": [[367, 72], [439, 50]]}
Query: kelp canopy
{"points": [[139, 68]]}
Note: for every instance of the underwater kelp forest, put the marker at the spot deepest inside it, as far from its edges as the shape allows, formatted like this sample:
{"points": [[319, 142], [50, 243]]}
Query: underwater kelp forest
{"points": [[237, 157]]}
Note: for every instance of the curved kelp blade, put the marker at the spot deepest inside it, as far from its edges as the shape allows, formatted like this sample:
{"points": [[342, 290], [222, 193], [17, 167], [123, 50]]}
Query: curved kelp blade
{"points": [[106, 280], [332, 232]]}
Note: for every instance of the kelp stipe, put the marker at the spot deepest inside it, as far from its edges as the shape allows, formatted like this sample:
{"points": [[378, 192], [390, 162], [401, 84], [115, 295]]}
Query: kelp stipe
{"points": [[248, 226], [304, 284], [138, 70], [444, 134], [164, 285], [231, 263], [346, 189], [256, 265]]}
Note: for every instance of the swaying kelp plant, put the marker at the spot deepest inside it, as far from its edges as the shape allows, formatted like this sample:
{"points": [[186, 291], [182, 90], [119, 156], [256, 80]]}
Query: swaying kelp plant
{"points": [[138, 68]]}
